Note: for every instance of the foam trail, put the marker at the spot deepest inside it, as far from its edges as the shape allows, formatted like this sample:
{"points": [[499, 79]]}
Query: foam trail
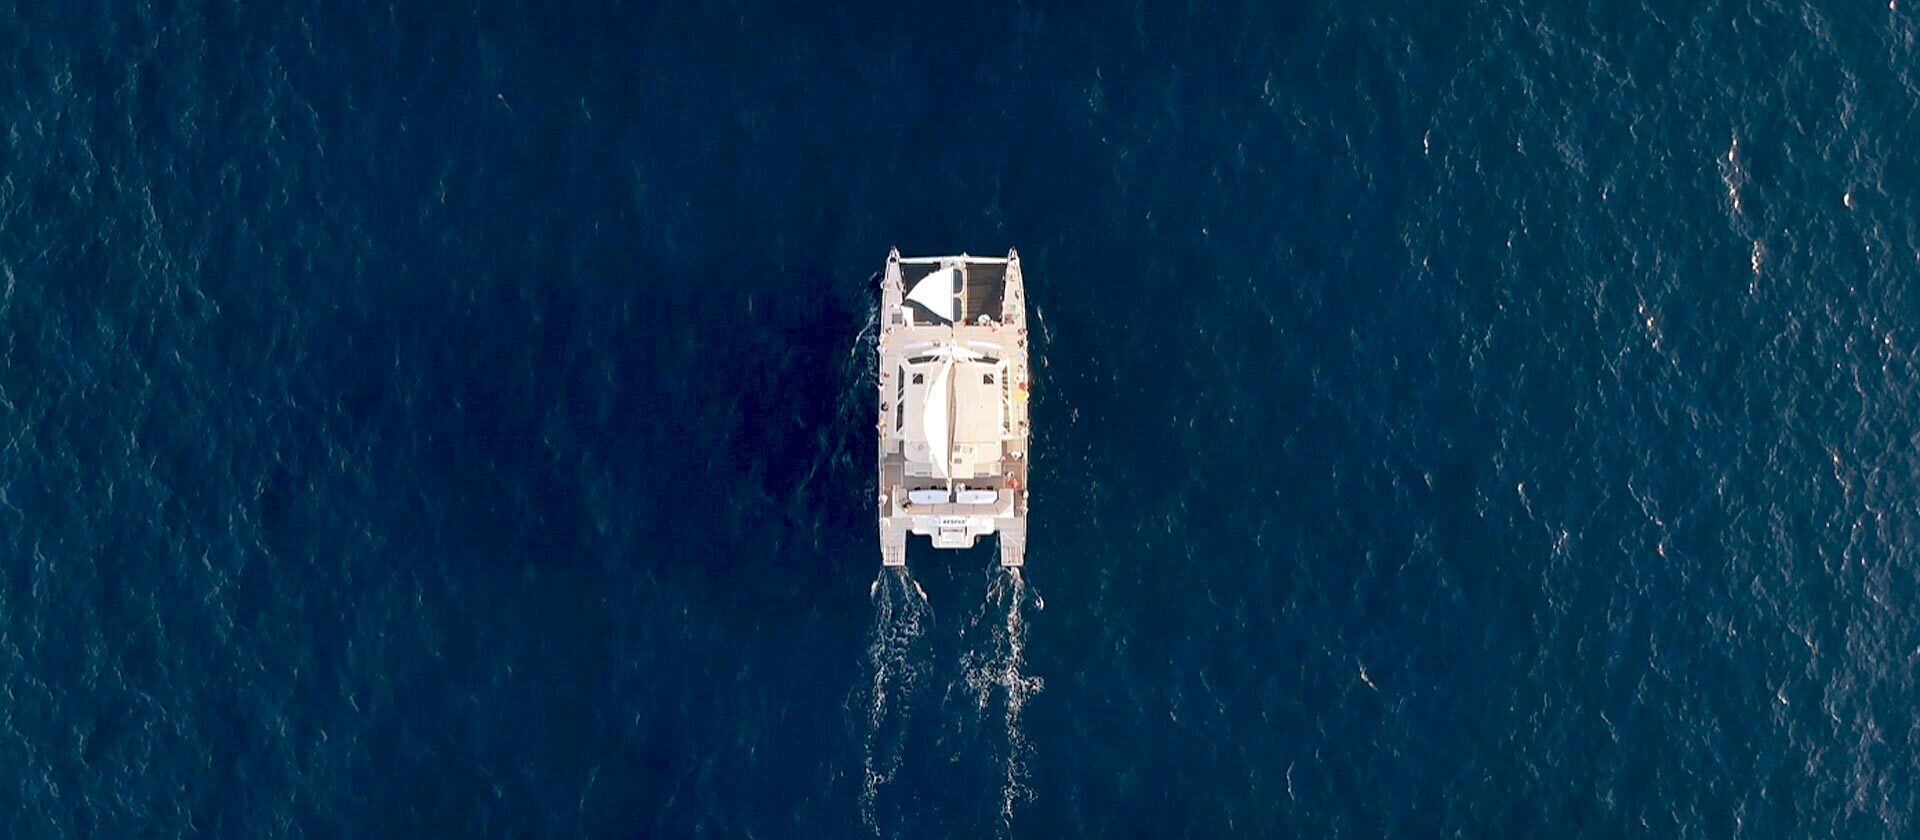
{"points": [[999, 669], [894, 658]]}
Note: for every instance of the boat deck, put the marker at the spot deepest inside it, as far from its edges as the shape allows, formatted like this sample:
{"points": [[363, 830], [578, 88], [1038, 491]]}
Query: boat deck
{"points": [[987, 287]]}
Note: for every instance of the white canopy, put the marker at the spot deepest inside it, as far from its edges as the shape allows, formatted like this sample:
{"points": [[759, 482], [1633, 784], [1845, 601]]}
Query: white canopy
{"points": [[936, 292]]}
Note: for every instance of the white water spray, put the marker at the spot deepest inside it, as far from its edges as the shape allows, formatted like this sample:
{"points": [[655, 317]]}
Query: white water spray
{"points": [[895, 662], [1000, 669]]}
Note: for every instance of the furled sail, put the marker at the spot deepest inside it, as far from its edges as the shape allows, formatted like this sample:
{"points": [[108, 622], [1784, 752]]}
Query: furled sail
{"points": [[936, 292], [935, 418]]}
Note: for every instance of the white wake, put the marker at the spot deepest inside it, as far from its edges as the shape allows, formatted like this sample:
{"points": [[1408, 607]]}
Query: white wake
{"points": [[1000, 669], [896, 662]]}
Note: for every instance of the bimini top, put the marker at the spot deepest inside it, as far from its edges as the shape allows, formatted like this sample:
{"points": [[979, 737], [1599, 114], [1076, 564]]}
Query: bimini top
{"points": [[953, 413]]}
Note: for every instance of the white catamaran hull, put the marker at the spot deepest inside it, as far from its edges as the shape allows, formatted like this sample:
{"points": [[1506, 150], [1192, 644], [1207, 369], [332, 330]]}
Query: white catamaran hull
{"points": [[954, 380]]}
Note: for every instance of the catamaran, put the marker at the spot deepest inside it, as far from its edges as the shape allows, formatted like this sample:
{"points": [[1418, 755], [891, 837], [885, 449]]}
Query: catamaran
{"points": [[953, 404]]}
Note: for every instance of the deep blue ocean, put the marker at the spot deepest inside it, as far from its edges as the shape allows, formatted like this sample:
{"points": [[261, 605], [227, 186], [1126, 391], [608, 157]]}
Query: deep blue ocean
{"points": [[1452, 420]]}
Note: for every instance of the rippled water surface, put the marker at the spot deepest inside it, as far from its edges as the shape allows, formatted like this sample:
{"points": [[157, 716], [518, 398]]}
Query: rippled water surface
{"points": [[1452, 419]]}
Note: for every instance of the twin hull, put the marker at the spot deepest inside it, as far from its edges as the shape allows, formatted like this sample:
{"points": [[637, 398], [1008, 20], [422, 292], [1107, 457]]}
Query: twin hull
{"points": [[954, 379]]}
